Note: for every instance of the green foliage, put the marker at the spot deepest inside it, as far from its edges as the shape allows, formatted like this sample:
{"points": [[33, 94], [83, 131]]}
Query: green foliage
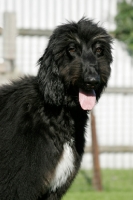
{"points": [[124, 23]]}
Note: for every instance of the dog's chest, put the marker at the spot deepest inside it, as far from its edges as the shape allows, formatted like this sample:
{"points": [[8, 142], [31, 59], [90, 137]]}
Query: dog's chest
{"points": [[64, 169]]}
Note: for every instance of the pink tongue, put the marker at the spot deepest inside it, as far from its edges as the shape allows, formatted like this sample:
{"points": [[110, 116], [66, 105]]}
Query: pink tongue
{"points": [[87, 100]]}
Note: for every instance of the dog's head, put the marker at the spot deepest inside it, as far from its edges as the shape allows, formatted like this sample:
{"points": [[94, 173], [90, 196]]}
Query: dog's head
{"points": [[75, 66]]}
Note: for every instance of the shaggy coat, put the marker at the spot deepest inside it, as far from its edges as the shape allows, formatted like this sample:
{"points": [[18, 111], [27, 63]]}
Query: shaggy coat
{"points": [[42, 121]]}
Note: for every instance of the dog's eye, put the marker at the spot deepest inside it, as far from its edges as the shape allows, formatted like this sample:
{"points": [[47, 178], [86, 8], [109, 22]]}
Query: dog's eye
{"points": [[72, 49], [99, 51]]}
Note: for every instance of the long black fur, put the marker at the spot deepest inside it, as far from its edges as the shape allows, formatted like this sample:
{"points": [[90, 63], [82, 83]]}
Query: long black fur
{"points": [[38, 115]]}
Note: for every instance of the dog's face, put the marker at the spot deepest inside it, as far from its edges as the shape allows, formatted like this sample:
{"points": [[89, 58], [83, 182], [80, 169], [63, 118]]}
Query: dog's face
{"points": [[76, 65]]}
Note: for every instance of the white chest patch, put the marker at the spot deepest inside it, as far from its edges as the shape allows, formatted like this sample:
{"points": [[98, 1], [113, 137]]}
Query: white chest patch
{"points": [[64, 168]]}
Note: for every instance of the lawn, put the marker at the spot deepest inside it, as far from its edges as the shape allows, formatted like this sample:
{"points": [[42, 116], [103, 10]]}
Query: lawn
{"points": [[117, 185]]}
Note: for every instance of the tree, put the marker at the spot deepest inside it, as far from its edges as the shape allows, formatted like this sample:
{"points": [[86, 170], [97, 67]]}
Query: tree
{"points": [[124, 23]]}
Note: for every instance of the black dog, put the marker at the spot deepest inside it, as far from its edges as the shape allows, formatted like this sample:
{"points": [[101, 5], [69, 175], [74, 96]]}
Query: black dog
{"points": [[43, 118]]}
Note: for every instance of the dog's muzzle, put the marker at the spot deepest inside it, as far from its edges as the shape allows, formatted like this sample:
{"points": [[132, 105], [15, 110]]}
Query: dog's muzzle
{"points": [[87, 95]]}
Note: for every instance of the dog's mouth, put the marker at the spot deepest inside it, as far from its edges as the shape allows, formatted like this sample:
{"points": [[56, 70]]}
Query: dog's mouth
{"points": [[87, 95], [87, 99]]}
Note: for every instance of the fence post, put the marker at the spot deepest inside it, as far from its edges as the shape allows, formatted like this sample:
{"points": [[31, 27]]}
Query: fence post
{"points": [[97, 181], [9, 39]]}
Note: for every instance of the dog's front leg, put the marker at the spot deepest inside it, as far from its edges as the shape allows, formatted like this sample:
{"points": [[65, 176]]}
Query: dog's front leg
{"points": [[57, 195], [51, 196]]}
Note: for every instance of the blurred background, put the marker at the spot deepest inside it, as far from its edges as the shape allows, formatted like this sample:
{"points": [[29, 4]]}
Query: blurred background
{"points": [[25, 26]]}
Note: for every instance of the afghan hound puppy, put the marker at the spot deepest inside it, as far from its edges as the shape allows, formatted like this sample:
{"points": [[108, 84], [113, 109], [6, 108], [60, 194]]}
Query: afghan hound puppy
{"points": [[43, 117]]}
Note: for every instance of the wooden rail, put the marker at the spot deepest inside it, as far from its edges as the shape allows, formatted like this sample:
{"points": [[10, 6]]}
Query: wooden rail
{"points": [[32, 32], [111, 149]]}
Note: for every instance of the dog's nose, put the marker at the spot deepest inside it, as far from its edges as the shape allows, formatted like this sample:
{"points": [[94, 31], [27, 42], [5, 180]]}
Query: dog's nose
{"points": [[92, 81]]}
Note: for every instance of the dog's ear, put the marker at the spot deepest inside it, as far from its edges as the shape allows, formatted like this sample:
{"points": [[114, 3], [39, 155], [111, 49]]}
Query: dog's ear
{"points": [[105, 71], [50, 82]]}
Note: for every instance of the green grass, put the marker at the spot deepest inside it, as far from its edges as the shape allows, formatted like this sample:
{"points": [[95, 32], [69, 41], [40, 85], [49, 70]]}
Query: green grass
{"points": [[117, 185], [99, 196]]}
